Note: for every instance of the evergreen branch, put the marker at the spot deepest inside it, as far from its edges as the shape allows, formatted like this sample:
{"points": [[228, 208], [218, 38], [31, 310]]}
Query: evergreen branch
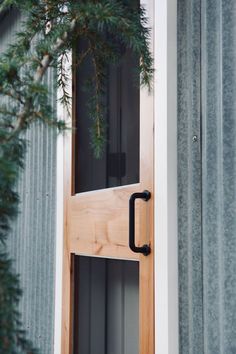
{"points": [[63, 83], [51, 29], [111, 17], [21, 119], [47, 58], [41, 70], [12, 94], [83, 56], [5, 5], [97, 94], [97, 112]]}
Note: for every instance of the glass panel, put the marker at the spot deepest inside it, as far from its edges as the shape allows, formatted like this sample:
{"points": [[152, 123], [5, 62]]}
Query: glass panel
{"points": [[119, 164], [106, 306]]}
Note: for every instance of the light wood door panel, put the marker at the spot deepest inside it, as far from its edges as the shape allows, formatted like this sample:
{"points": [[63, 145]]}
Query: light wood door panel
{"points": [[96, 223], [99, 223]]}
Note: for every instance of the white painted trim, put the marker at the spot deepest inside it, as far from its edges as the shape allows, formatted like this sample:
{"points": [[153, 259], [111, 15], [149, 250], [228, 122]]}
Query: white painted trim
{"points": [[62, 114], [59, 249], [166, 243]]}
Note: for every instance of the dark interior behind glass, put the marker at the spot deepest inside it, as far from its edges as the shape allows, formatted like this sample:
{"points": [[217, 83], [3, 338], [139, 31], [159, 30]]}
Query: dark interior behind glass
{"points": [[119, 164]]}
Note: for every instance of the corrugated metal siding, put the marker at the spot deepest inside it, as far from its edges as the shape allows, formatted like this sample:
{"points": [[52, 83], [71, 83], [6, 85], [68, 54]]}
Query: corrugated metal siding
{"points": [[32, 243], [207, 175], [189, 178]]}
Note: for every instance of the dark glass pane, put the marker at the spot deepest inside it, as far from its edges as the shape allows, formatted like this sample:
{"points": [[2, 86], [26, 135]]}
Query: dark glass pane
{"points": [[106, 306], [119, 164]]}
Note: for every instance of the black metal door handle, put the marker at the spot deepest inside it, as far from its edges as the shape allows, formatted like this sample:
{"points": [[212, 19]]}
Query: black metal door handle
{"points": [[145, 249]]}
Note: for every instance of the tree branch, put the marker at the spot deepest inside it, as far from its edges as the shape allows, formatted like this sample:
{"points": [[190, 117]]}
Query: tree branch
{"points": [[4, 7], [40, 71]]}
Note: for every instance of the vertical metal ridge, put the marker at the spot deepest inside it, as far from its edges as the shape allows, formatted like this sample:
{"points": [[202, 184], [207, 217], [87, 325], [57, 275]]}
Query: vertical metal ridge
{"points": [[212, 175], [189, 178], [220, 169]]}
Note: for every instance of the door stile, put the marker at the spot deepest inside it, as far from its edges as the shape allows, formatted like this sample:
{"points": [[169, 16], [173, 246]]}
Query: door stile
{"points": [[67, 283], [146, 280]]}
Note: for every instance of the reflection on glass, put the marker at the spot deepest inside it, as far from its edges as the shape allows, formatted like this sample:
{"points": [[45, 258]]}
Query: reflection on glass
{"points": [[106, 306], [119, 164]]}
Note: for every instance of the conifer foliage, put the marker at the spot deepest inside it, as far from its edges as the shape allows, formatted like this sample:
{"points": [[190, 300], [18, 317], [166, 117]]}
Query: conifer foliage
{"points": [[50, 30]]}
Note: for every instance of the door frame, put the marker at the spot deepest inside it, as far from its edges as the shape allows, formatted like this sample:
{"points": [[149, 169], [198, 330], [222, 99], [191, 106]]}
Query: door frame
{"points": [[165, 180], [165, 185]]}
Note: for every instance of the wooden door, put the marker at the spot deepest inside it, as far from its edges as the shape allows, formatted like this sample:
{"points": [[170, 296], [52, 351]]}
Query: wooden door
{"points": [[97, 220]]}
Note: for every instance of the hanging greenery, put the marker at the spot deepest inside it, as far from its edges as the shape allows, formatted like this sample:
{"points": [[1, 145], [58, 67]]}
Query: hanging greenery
{"points": [[50, 30]]}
